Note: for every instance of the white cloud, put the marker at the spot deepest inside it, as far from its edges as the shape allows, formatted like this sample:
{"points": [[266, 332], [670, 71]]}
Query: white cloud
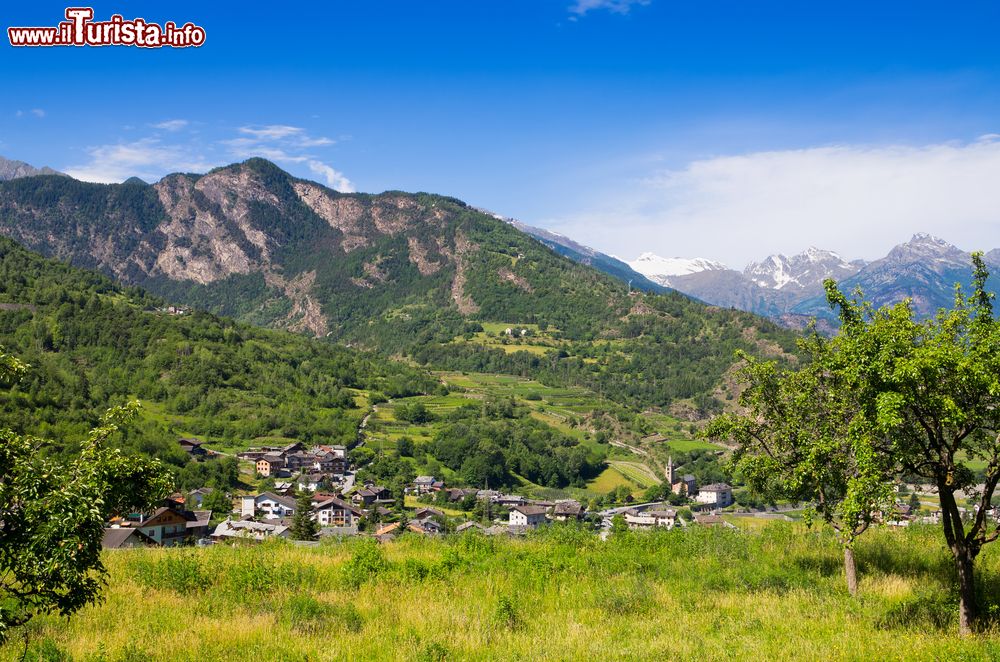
{"points": [[334, 178], [148, 158], [286, 144], [272, 131], [581, 7], [855, 199], [151, 158], [171, 125], [37, 112]]}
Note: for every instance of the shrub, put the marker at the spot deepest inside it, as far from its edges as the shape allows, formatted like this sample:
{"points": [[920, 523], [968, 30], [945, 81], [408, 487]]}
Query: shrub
{"points": [[505, 614], [365, 564]]}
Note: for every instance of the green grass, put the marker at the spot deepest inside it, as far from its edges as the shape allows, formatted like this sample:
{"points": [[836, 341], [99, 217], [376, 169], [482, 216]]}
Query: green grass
{"points": [[688, 445], [610, 479], [708, 594], [636, 472]]}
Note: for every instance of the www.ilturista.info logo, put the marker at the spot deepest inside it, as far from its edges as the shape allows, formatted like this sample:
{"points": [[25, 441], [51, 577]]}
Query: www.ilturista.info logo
{"points": [[80, 29]]}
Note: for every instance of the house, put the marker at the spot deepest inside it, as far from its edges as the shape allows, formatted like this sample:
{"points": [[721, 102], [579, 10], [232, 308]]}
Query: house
{"points": [[423, 484], [193, 447], [456, 494], [198, 523], [270, 464], [651, 518], [567, 510], [510, 500], [468, 526], [424, 527], [424, 513], [686, 485], [310, 482], [527, 516], [386, 529], [165, 526], [710, 520], [718, 495], [335, 512], [249, 531], [118, 537], [327, 462], [267, 505], [369, 494]]}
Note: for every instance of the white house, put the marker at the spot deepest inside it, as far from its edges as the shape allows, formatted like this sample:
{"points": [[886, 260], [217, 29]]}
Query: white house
{"points": [[648, 519], [267, 505], [719, 495], [527, 516], [335, 512], [255, 531]]}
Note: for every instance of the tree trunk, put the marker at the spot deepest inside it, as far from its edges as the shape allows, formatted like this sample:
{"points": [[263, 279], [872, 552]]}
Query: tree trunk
{"points": [[966, 590], [850, 571]]}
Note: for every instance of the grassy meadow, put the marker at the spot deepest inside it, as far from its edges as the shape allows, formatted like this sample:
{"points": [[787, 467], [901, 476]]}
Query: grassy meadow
{"points": [[770, 592]]}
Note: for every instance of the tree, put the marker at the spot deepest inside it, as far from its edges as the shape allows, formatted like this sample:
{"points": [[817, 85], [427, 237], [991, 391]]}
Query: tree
{"points": [[800, 437], [931, 389], [52, 514], [218, 502], [304, 526]]}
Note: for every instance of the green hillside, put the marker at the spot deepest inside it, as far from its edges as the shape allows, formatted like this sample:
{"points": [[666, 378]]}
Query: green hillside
{"points": [[403, 274]]}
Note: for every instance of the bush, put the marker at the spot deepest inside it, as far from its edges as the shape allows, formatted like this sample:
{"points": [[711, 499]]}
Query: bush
{"points": [[505, 614], [365, 564]]}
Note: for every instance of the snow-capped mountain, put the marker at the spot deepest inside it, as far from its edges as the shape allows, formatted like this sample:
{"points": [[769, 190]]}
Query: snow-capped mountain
{"points": [[662, 269], [803, 271]]}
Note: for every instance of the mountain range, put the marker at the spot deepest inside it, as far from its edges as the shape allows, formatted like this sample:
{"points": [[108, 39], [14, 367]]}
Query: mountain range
{"points": [[790, 289], [251, 241]]}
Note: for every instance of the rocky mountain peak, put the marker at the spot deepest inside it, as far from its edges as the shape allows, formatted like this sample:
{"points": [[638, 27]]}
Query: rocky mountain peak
{"points": [[10, 169], [806, 270], [924, 247]]}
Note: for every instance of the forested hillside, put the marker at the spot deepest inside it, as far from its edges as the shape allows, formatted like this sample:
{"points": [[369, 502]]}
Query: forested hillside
{"points": [[92, 344], [416, 275]]}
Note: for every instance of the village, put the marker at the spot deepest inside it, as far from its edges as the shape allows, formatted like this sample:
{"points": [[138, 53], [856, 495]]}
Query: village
{"points": [[321, 480]]}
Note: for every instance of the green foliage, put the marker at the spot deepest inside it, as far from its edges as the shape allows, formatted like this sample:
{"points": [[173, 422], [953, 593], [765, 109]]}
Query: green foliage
{"points": [[929, 392], [93, 344], [304, 527], [52, 515], [366, 563]]}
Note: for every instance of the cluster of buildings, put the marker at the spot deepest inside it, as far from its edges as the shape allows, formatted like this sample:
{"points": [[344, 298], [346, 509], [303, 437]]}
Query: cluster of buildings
{"points": [[714, 495], [308, 469]]}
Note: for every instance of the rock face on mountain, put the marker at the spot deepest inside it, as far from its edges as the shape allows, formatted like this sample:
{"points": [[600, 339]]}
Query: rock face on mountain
{"points": [[252, 241], [14, 169]]}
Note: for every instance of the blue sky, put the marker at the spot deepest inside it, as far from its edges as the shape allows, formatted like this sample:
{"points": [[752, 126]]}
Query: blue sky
{"points": [[723, 129]]}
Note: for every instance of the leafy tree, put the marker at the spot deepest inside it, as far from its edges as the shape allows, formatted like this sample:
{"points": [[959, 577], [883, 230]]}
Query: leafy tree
{"points": [[800, 437], [218, 502], [404, 447], [304, 527], [52, 514], [931, 390]]}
